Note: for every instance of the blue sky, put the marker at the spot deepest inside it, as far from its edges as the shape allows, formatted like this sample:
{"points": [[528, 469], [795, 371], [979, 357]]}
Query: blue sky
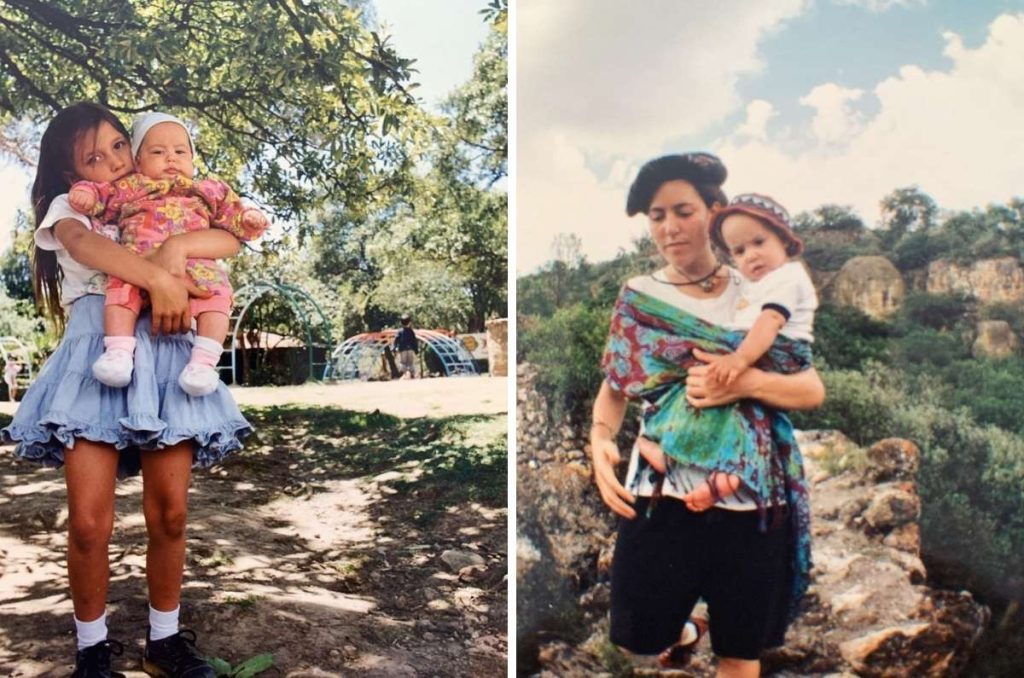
{"points": [[442, 35], [811, 101]]}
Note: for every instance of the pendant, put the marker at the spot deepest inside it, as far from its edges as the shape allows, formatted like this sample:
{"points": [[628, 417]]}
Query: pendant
{"points": [[709, 284]]}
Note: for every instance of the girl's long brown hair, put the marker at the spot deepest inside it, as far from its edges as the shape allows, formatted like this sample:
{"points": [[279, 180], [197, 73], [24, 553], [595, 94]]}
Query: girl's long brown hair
{"points": [[54, 175]]}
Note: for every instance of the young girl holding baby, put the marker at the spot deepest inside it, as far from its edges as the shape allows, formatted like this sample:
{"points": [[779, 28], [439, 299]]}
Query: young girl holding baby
{"points": [[98, 433]]}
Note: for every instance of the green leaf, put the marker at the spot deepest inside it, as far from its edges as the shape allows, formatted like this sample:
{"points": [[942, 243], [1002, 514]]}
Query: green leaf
{"points": [[220, 666], [254, 666]]}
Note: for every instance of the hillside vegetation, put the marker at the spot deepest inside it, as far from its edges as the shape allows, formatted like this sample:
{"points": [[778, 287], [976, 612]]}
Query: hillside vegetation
{"points": [[911, 375]]}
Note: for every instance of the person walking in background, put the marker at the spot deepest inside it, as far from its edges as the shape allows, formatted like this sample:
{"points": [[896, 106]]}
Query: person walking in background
{"points": [[11, 371], [407, 346]]}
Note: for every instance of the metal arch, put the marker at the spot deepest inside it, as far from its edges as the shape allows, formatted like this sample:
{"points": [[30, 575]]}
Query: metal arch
{"points": [[12, 347], [359, 357], [249, 294]]}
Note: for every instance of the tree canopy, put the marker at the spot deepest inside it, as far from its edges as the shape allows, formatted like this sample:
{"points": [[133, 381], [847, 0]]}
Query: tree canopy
{"points": [[308, 110], [297, 102]]}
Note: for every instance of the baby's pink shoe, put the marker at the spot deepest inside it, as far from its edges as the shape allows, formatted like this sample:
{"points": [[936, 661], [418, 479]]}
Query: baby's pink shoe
{"points": [[114, 367], [198, 380]]}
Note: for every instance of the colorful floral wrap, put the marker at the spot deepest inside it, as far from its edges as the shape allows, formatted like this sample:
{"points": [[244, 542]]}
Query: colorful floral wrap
{"points": [[650, 348]]}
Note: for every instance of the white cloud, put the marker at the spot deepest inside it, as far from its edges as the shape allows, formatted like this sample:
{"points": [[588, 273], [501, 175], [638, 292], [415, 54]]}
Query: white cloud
{"points": [[557, 192], [955, 133], [879, 5], [759, 112], [628, 76], [835, 121], [619, 80]]}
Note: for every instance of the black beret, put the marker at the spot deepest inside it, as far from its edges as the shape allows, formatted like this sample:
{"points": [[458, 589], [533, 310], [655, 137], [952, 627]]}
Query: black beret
{"points": [[697, 168]]}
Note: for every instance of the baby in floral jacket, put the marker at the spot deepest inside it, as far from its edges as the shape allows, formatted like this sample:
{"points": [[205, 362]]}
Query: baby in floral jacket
{"points": [[160, 200]]}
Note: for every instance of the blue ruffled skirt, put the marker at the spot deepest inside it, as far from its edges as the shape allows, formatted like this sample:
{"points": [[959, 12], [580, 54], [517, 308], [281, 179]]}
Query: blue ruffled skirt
{"points": [[66, 402]]}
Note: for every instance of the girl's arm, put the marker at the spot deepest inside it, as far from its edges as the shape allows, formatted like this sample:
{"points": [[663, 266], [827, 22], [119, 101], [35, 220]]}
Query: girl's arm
{"points": [[609, 411], [800, 391], [168, 294], [206, 244]]}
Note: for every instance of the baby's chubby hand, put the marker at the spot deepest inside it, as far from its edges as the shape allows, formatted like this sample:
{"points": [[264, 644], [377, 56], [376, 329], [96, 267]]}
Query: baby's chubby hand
{"points": [[724, 369], [254, 220], [82, 199]]}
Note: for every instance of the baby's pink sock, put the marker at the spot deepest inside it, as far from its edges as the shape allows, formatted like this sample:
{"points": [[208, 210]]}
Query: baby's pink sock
{"points": [[125, 343], [206, 352]]}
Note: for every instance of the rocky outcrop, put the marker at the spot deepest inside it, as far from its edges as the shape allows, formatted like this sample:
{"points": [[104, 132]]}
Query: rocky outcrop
{"points": [[988, 280], [995, 340], [868, 611], [871, 284], [564, 533]]}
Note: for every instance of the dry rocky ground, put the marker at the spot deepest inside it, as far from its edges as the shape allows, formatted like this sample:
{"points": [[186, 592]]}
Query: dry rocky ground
{"points": [[343, 542]]}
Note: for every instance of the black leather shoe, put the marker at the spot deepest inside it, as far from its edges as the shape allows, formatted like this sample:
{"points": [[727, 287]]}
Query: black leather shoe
{"points": [[175, 657], [94, 661]]}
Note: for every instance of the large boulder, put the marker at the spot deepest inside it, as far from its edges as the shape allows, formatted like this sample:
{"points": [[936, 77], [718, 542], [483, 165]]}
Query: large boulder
{"points": [[995, 340], [872, 284]]}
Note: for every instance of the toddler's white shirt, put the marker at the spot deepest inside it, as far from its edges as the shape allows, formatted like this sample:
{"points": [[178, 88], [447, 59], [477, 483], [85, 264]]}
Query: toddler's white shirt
{"points": [[788, 288]]}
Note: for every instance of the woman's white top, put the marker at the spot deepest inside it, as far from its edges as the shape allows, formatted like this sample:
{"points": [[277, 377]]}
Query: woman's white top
{"points": [[681, 479], [788, 289], [79, 279]]}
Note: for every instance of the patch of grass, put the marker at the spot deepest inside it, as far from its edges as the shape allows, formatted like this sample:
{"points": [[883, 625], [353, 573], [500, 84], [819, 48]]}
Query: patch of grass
{"points": [[617, 663], [243, 602], [5, 420], [838, 459]]}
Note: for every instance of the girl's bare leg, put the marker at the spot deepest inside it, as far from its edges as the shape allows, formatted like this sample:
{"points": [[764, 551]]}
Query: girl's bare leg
{"points": [[165, 479], [90, 472]]}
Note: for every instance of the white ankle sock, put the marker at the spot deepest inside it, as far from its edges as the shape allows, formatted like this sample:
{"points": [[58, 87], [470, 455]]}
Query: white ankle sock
{"points": [[210, 347], [91, 632], [162, 624]]}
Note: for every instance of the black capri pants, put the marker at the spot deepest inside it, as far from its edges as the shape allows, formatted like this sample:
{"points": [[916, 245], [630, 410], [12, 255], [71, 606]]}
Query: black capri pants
{"points": [[664, 563]]}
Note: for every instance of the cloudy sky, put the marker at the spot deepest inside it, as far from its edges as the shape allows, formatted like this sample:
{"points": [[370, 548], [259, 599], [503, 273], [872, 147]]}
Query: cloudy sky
{"points": [[442, 35], [811, 101]]}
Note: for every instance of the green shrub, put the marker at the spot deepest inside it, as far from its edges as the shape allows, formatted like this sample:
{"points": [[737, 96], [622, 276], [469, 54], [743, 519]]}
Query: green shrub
{"points": [[566, 350], [846, 338], [859, 404], [936, 311]]}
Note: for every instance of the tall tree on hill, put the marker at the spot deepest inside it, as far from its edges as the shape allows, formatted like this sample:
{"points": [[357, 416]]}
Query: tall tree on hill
{"points": [[906, 210]]}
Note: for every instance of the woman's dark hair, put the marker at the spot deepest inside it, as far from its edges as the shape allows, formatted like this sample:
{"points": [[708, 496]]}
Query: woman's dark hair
{"points": [[54, 175], [705, 172]]}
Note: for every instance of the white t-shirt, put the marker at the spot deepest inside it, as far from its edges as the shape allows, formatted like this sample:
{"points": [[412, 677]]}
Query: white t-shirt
{"points": [[789, 290], [681, 479], [79, 280]]}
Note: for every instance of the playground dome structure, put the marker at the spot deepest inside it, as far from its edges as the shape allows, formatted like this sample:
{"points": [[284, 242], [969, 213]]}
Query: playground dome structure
{"points": [[363, 355], [305, 309]]}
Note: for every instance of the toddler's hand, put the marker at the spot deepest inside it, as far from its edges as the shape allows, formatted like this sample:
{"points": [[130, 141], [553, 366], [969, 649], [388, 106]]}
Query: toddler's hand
{"points": [[254, 220], [725, 369], [82, 200]]}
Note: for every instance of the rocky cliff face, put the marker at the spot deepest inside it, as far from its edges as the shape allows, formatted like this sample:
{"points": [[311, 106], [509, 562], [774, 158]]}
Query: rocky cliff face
{"points": [[869, 611], [988, 281]]}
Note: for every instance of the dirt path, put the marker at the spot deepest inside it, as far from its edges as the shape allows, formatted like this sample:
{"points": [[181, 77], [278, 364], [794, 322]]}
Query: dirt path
{"points": [[342, 542]]}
